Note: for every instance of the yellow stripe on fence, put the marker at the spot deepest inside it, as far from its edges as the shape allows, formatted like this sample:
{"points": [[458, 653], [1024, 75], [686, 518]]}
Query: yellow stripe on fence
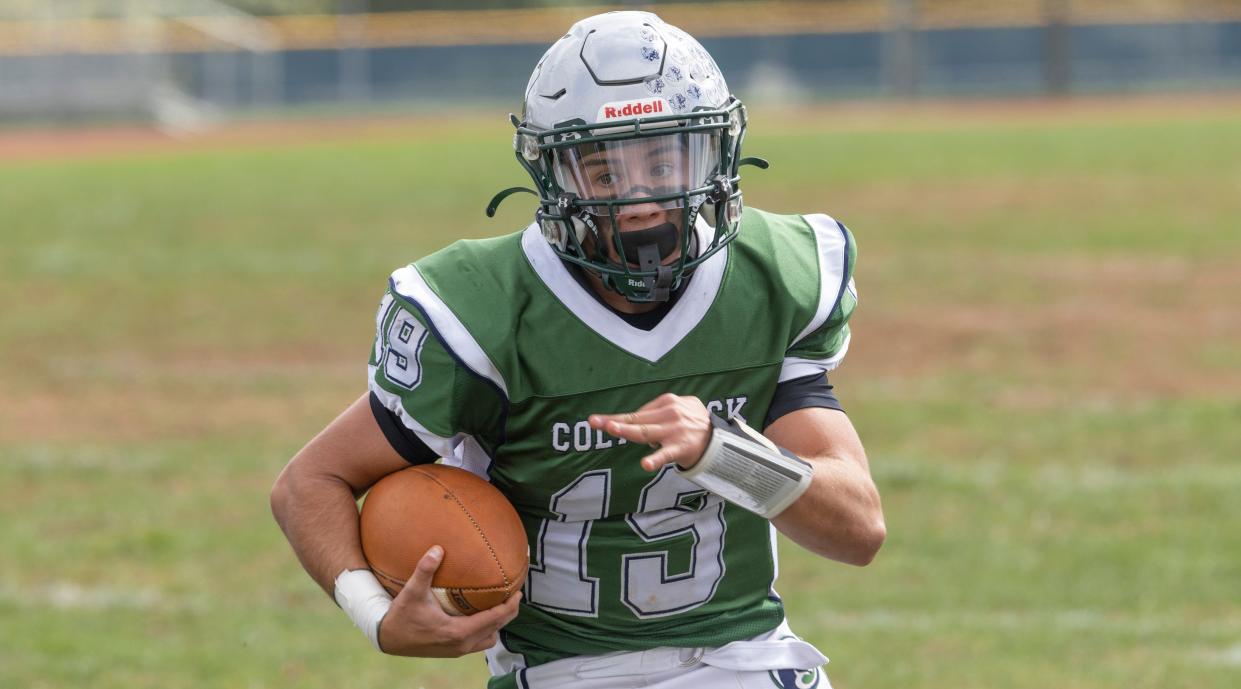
{"points": [[543, 25]]}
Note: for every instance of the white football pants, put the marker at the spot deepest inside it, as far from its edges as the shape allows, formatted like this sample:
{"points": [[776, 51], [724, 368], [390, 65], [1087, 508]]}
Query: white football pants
{"points": [[775, 660]]}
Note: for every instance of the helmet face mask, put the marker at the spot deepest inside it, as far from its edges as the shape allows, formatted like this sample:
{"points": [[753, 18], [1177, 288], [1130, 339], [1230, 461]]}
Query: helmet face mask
{"points": [[651, 144]]}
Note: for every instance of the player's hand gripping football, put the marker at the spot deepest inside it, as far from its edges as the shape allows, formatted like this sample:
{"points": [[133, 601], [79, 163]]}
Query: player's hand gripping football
{"points": [[678, 427], [417, 626]]}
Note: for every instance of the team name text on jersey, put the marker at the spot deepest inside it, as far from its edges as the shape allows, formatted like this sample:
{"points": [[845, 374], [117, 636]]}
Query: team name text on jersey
{"points": [[580, 437]]}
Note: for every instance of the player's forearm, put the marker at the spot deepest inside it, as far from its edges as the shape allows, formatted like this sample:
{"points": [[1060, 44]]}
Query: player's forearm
{"points": [[839, 517], [319, 517]]}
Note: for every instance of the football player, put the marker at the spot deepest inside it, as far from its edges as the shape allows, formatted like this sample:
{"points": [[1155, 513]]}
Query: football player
{"points": [[641, 371]]}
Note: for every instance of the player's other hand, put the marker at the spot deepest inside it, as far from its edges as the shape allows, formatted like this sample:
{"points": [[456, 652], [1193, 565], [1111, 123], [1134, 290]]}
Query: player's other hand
{"points": [[417, 626], [678, 427]]}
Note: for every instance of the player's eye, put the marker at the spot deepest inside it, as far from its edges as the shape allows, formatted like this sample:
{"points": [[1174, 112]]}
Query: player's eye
{"points": [[661, 170], [606, 179]]}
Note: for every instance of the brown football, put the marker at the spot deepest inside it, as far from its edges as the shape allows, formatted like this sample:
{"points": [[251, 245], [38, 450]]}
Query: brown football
{"points": [[485, 553]]}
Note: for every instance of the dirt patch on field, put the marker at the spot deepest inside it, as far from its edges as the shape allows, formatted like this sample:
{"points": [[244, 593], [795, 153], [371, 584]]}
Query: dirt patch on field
{"points": [[965, 114], [1114, 329], [95, 142], [145, 414], [31, 144], [178, 395], [1003, 197], [1120, 328]]}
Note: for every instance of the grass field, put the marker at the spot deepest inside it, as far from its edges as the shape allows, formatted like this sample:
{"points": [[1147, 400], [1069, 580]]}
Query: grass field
{"points": [[1046, 369]]}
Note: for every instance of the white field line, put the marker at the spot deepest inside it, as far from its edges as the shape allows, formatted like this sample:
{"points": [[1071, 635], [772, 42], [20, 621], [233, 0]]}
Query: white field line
{"points": [[1230, 656], [52, 459], [1067, 620], [65, 595], [1105, 476], [1087, 478]]}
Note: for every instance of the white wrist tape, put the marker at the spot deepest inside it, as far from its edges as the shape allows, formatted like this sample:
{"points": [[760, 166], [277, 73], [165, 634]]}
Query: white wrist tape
{"points": [[747, 469], [364, 599]]}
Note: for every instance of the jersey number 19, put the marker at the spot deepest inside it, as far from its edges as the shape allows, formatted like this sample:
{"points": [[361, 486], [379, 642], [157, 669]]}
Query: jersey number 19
{"points": [[666, 509]]}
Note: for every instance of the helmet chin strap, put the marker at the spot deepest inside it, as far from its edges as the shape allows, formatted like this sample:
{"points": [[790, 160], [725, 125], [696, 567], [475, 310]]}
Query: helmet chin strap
{"points": [[652, 246]]}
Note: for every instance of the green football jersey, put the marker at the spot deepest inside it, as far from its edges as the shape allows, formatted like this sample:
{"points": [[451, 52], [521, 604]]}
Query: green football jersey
{"points": [[494, 355]]}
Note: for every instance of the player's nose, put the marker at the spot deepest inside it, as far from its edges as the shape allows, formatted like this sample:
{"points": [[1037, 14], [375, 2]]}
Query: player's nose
{"points": [[640, 215]]}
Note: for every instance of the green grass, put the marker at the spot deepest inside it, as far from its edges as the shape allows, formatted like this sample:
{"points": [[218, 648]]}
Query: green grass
{"points": [[1046, 372]]}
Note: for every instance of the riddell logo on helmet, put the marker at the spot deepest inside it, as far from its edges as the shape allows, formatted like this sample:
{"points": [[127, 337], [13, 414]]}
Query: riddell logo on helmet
{"points": [[635, 108]]}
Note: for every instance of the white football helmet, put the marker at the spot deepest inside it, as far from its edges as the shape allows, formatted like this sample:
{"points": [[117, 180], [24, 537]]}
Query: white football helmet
{"points": [[626, 112]]}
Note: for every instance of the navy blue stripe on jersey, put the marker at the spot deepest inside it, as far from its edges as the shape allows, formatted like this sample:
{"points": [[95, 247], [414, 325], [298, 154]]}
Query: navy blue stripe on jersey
{"points": [[813, 390], [844, 270], [406, 443], [502, 431], [504, 643]]}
